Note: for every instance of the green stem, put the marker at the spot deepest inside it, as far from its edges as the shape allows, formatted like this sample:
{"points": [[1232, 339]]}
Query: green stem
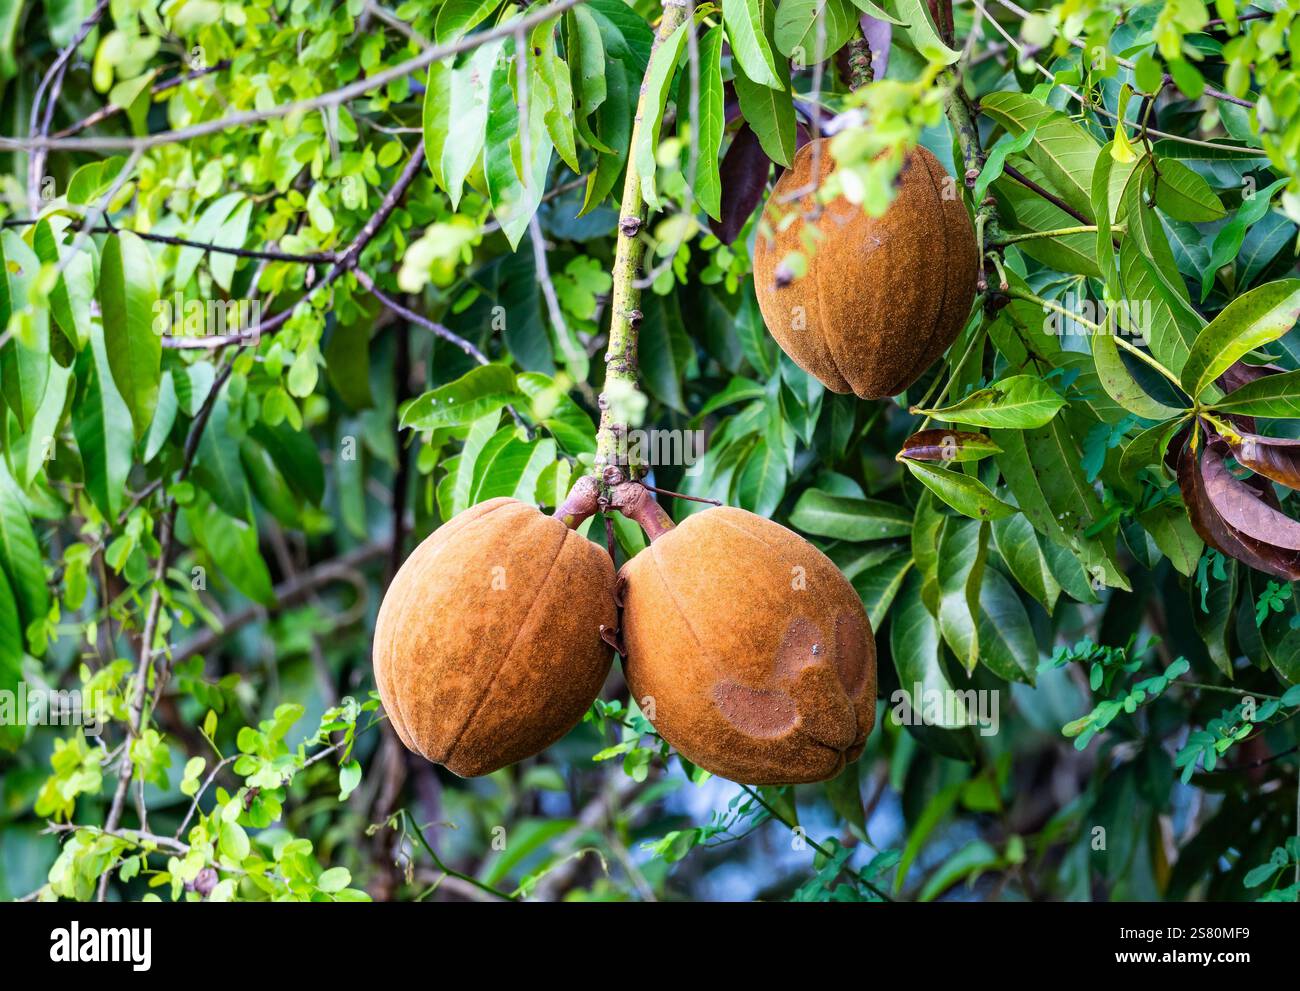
{"points": [[1224, 688], [1060, 232], [1095, 328], [625, 299]]}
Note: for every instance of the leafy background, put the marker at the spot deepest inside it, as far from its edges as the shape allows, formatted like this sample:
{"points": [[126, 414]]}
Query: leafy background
{"points": [[202, 527]]}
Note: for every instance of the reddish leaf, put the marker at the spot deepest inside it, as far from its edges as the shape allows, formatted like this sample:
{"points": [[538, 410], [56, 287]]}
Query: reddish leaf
{"points": [[1216, 500], [1277, 458], [744, 173], [1239, 373], [947, 445]]}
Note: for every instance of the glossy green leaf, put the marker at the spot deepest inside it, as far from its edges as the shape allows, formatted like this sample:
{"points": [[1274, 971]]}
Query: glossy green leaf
{"points": [[825, 515], [964, 493], [1259, 317], [127, 293], [749, 25], [1019, 402]]}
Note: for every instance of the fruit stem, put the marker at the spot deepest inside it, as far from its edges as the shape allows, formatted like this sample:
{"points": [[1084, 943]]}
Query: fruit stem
{"points": [[621, 369], [583, 502], [634, 501]]}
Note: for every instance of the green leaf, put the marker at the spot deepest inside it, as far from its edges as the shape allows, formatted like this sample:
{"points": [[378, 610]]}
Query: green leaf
{"points": [[767, 108], [1006, 638], [614, 128], [1119, 382], [514, 187], [1017, 544], [1184, 195], [810, 31], [455, 116], [25, 359], [479, 391], [127, 293], [1064, 151], [296, 456], [749, 26], [761, 483], [101, 423], [20, 555], [917, 647], [1271, 396], [711, 123], [1019, 402], [549, 81], [334, 880], [34, 451], [964, 493], [1259, 317], [217, 468], [921, 30], [825, 515], [73, 293], [210, 226], [654, 94], [233, 547], [963, 548], [878, 584], [456, 18], [1228, 241]]}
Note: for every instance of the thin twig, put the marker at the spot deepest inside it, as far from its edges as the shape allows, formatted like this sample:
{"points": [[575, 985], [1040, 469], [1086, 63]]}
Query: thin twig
{"points": [[334, 98], [1082, 45], [52, 82], [103, 113]]}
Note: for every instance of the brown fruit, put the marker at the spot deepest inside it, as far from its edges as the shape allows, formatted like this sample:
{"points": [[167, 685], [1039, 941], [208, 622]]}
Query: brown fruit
{"points": [[749, 651], [882, 297], [488, 647]]}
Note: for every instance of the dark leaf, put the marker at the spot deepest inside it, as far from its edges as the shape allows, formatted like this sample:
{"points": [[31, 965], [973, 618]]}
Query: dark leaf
{"points": [[947, 445], [745, 168], [1277, 458], [1243, 503]]}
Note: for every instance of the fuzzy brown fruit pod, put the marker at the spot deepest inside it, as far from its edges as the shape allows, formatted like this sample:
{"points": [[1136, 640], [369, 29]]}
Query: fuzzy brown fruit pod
{"points": [[749, 651], [882, 297], [488, 647]]}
